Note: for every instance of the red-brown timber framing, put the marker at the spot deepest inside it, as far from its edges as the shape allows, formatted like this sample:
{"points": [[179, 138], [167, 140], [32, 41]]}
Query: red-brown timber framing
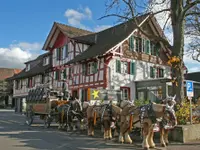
{"points": [[91, 83]]}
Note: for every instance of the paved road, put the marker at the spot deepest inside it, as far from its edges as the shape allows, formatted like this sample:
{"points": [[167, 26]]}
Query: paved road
{"points": [[15, 135]]}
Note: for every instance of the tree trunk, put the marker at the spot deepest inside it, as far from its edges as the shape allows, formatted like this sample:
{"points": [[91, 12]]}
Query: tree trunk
{"points": [[178, 24]]}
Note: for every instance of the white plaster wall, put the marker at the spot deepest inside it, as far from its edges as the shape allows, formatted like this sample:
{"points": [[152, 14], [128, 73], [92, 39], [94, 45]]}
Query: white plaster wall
{"points": [[142, 72], [70, 53]]}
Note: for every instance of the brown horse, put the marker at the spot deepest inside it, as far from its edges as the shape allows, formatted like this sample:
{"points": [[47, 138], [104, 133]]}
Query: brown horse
{"points": [[105, 113], [144, 117], [70, 114]]}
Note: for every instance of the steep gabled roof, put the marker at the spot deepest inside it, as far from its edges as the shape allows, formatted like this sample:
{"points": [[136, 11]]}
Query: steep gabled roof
{"points": [[67, 30], [106, 39], [36, 68]]}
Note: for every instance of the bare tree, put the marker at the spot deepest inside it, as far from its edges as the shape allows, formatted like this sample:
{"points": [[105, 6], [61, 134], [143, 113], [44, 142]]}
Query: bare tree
{"points": [[193, 33], [176, 13]]}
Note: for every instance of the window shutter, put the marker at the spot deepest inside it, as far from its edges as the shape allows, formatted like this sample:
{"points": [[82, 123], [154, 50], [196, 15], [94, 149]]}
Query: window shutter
{"points": [[157, 50], [132, 68], [84, 69], [94, 67], [131, 43], [65, 74], [147, 46], [143, 45], [152, 72], [118, 66], [57, 75]]}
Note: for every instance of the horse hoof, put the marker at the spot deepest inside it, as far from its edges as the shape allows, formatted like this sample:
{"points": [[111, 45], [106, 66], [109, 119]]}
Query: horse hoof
{"points": [[152, 147], [163, 145], [167, 144], [146, 148]]}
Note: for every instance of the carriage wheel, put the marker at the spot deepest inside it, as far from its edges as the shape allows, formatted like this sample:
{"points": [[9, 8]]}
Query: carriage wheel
{"points": [[47, 121], [29, 117]]}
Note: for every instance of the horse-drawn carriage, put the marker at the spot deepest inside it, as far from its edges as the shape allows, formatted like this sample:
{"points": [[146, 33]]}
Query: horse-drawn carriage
{"points": [[42, 102]]}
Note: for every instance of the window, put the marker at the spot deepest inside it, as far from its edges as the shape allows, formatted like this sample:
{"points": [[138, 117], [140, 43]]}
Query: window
{"points": [[138, 44], [154, 49], [45, 61], [84, 69], [160, 72], [33, 81], [125, 67], [59, 52], [125, 93], [118, 66], [57, 74], [94, 67], [29, 82], [27, 67], [91, 67], [152, 72]]}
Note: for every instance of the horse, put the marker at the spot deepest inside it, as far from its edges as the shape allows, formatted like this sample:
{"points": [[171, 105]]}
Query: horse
{"points": [[105, 113], [144, 117], [70, 114], [164, 127]]}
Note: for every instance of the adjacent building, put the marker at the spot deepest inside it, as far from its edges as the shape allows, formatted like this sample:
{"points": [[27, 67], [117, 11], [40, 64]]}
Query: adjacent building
{"points": [[6, 86]]}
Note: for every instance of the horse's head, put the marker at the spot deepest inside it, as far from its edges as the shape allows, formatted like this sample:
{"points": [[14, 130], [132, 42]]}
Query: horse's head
{"points": [[77, 106], [170, 101]]}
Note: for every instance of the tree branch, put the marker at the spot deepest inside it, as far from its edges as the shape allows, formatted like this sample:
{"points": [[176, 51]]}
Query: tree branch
{"points": [[192, 13], [190, 5]]}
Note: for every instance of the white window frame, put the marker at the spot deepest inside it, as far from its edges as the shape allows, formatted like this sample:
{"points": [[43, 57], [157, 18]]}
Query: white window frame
{"points": [[124, 67], [27, 67], [45, 61], [124, 90], [90, 68]]}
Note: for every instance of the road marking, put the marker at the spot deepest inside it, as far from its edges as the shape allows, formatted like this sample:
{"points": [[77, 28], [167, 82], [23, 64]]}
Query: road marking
{"points": [[3, 121], [13, 121]]}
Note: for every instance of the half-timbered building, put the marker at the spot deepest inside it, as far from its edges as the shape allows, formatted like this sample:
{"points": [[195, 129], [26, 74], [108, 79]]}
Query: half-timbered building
{"points": [[119, 58]]}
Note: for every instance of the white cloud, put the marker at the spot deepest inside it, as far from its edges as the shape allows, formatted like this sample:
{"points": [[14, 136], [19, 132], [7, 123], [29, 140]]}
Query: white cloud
{"points": [[75, 18], [101, 27], [16, 54], [28, 46]]}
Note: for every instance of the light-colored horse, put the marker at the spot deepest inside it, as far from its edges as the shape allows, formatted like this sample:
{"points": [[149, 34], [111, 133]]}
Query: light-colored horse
{"points": [[105, 113], [144, 117]]}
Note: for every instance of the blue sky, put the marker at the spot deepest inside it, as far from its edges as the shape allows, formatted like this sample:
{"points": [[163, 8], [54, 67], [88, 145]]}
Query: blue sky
{"points": [[25, 25]]}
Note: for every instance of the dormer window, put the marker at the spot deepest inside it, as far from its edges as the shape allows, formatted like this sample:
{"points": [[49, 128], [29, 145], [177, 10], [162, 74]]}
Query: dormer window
{"points": [[45, 61], [27, 67]]}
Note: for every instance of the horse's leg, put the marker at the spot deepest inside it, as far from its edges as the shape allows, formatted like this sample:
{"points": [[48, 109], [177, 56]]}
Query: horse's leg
{"points": [[116, 134], [110, 133], [150, 138], [162, 142], [121, 138], [92, 128], [89, 127], [145, 133], [166, 133], [127, 138]]}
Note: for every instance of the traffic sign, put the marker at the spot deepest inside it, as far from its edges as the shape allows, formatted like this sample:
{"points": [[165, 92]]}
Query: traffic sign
{"points": [[189, 89]]}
